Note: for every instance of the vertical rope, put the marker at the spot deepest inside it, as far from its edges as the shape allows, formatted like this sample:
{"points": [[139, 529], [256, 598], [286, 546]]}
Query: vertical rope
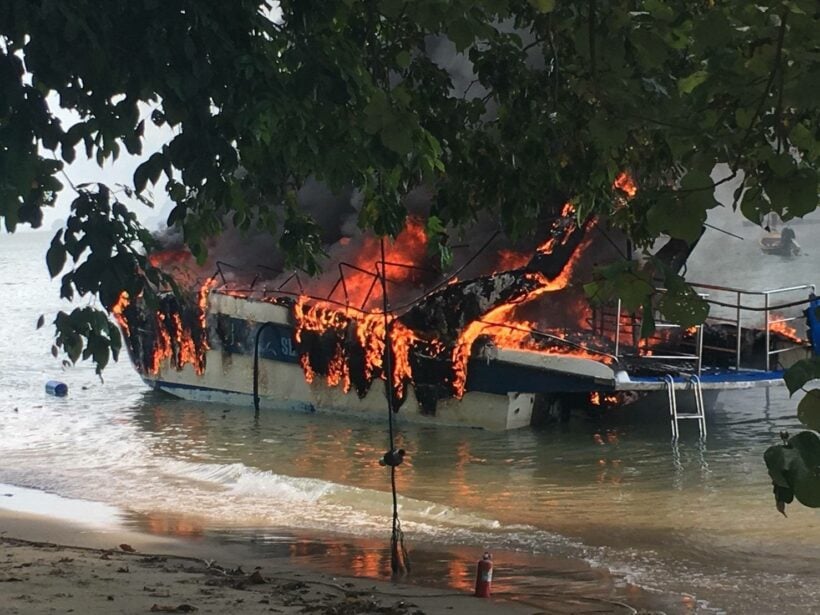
{"points": [[399, 562]]}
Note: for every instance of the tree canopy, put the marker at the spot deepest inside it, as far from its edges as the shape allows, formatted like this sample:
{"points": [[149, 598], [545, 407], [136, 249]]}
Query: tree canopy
{"points": [[552, 101]]}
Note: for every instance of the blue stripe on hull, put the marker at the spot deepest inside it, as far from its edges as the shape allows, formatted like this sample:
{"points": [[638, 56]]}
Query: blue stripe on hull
{"points": [[223, 396], [501, 378]]}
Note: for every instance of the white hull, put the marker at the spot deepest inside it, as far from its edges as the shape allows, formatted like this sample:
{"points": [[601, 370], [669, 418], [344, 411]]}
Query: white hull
{"points": [[282, 386]]}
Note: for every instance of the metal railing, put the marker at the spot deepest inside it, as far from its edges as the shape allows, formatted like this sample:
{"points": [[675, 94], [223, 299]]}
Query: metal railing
{"points": [[736, 310], [742, 310]]}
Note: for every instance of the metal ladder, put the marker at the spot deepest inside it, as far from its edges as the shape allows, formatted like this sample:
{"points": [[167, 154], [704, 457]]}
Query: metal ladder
{"points": [[700, 409]]}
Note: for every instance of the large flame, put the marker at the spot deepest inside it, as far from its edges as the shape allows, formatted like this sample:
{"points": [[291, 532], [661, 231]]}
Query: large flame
{"points": [[180, 338], [344, 338], [369, 329], [358, 282], [505, 330]]}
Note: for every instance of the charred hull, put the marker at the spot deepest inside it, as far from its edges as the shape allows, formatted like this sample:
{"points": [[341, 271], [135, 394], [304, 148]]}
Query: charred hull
{"points": [[500, 393]]}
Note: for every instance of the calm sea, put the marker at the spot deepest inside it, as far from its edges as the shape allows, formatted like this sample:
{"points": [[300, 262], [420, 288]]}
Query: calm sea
{"points": [[601, 510]]}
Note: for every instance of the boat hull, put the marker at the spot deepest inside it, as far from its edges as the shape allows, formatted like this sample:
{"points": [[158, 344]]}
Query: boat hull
{"points": [[228, 379]]}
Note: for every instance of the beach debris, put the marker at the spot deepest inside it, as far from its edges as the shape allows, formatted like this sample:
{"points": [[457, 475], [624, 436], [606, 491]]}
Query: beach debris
{"points": [[127, 548], [56, 388], [123, 569], [181, 608], [162, 594]]}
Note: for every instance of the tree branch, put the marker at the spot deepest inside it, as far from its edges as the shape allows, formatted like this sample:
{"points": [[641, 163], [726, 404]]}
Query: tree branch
{"points": [[591, 34], [778, 56]]}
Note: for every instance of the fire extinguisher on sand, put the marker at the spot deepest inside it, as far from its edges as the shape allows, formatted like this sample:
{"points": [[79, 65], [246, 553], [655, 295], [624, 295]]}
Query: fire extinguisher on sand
{"points": [[484, 576]]}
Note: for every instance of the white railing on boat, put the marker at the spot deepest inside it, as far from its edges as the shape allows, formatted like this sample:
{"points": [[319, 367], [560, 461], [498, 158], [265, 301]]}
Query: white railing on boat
{"points": [[735, 309], [769, 318]]}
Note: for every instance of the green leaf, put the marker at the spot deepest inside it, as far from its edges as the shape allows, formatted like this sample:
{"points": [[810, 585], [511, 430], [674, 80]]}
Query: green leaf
{"points": [[434, 226], [461, 33], [403, 59], [398, 137], [808, 410], [681, 215], [753, 206], [56, 256], [543, 6], [689, 83], [697, 180], [803, 193], [802, 372], [744, 117], [795, 466], [803, 138]]}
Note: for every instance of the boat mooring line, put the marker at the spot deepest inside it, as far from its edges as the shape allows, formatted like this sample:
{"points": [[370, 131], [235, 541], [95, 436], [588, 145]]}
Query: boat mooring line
{"points": [[724, 231]]}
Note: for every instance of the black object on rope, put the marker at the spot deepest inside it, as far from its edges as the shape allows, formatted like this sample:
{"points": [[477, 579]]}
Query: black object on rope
{"points": [[399, 560]]}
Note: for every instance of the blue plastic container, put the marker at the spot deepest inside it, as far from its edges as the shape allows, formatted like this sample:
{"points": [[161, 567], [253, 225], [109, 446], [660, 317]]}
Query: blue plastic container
{"points": [[56, 388]]}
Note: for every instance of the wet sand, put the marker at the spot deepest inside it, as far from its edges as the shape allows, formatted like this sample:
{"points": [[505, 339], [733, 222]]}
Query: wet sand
{"points": [[49, 566]]}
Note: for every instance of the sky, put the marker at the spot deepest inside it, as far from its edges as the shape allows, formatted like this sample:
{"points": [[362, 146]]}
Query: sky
{"points": [[120, 171]]}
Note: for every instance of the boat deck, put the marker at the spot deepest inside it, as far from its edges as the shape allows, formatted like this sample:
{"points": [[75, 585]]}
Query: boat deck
{"points": [[710, 379]]}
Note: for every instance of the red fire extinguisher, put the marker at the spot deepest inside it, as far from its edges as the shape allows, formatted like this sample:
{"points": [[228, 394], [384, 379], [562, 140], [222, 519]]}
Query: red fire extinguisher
{"points": [[484, 576]]}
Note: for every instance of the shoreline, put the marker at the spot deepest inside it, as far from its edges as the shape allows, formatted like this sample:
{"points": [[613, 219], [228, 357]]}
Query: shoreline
{"points": [[49, 565], [67, 554]]}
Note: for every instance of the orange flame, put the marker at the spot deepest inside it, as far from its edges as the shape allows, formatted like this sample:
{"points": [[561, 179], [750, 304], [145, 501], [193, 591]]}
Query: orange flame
{"points": [[493, 322], [118, 309], [370, 333], [169, 258], [626, 184], [177, 341], [508, 260], [785, 330], [360, 286]]}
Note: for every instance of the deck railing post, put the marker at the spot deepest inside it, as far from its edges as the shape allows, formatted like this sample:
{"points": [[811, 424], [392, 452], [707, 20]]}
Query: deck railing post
{"points": [[739, 329], [766, 312]]}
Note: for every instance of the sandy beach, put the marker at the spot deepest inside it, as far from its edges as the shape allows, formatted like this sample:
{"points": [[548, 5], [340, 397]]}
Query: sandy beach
{"points": [[52, 566]]}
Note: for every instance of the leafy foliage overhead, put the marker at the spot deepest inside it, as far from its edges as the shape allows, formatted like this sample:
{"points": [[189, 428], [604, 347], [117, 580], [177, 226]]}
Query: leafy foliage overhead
{"points": [[556, 99]]}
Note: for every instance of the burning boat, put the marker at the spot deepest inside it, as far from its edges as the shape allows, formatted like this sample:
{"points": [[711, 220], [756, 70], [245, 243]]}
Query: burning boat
{"points": [[504, 341]]}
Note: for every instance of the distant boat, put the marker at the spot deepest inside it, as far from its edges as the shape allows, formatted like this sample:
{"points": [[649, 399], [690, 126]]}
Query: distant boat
{"points": [[780, 242]]}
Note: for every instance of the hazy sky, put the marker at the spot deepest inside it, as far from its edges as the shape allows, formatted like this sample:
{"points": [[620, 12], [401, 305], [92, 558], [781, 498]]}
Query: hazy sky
{"points": [[120, 171]]}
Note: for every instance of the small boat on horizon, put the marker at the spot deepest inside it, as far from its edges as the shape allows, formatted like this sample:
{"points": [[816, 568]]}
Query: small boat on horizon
{"points": [[780, 242]]}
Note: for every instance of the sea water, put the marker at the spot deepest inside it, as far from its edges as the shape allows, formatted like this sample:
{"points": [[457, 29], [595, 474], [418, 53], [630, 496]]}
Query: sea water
{"points": [[601, 510]]}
